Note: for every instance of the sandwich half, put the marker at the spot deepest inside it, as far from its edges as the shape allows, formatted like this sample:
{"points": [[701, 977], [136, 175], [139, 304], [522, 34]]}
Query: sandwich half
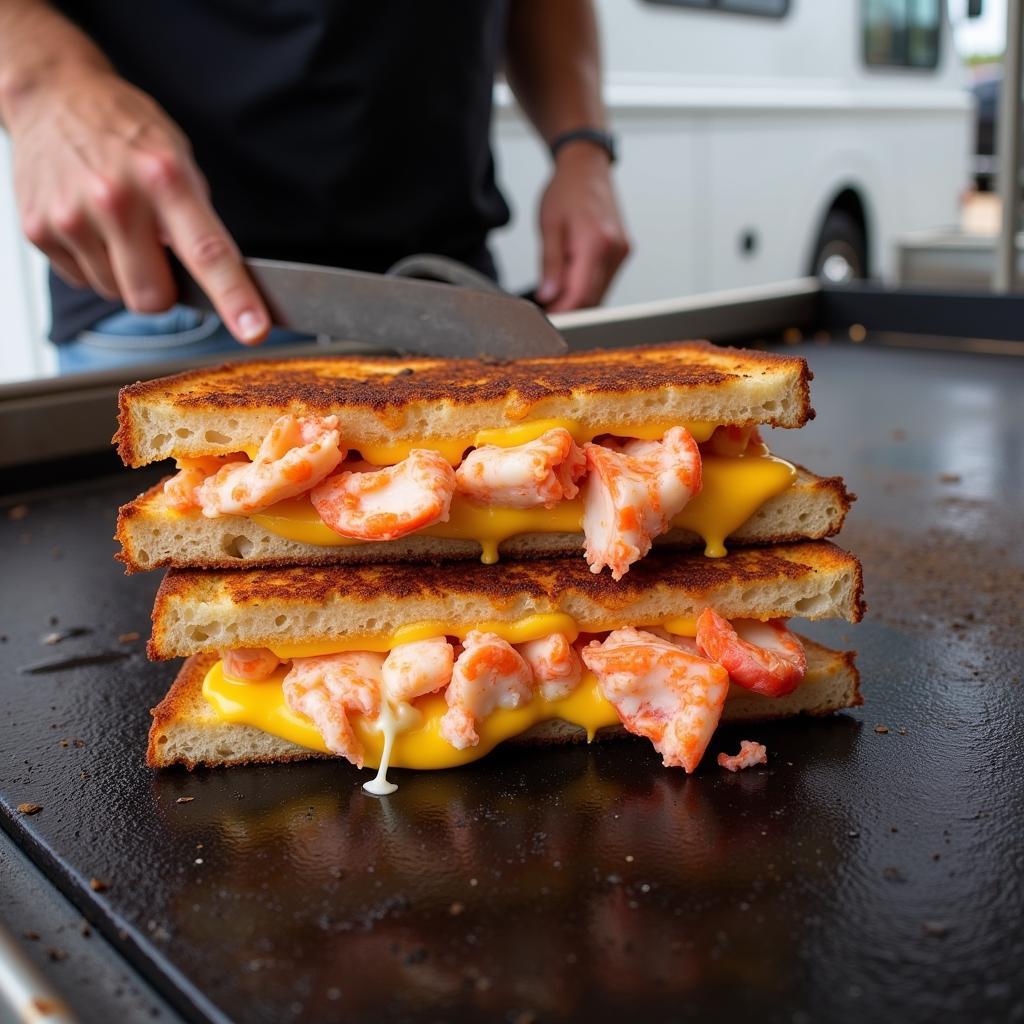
{"points": [[422, 667], [337, 460]]}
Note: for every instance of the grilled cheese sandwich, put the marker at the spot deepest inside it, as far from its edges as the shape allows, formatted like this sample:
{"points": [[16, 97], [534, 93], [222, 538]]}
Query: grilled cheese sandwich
{"points": [[292, 663], [606, 451]]}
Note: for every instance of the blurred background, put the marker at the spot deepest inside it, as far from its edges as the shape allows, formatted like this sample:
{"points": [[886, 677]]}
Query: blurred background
{"points": [[760, 141]]}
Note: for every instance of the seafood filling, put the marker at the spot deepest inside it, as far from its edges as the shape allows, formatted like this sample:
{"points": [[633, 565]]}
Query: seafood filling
{"points": [[627, 492], [668, 688]]}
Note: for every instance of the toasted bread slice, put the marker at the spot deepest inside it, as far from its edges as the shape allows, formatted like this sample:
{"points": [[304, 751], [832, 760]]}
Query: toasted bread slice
{"points": [[204, 610], [186, 730], [155, 536], [381, 401]]}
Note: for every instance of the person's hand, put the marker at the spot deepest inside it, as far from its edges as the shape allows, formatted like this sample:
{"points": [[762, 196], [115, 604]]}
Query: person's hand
{"points": [[105, 180], [582, 236]]}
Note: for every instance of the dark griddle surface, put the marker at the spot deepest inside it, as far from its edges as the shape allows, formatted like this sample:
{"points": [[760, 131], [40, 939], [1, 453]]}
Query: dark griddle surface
{"points": [[862, 876]]}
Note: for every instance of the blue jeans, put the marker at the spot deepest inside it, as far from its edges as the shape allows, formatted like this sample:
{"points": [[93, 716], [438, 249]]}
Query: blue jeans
{"points": [[126, 338]]}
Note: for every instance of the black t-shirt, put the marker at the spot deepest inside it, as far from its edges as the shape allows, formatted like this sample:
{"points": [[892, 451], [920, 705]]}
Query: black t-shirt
{"points": [[343, 132]]}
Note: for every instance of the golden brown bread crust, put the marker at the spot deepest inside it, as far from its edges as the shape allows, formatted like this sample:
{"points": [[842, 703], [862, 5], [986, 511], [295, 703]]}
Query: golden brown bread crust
{"points": [[545, 582], [391, 388], [382, 597], [185, 694], [148, 507]]}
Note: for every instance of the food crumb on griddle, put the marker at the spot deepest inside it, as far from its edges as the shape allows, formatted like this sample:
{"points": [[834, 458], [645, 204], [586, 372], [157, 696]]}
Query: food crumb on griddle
{"points": [[128, 638], [935, 929], [31, 936], [16, 512], [56, 955], [950, 478], [184, 799], [751, 754], [98, 885], [881, 729], [29, 808], [456, 908], [60, 635]]}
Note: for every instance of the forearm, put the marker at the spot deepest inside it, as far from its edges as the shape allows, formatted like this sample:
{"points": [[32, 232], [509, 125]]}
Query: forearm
{"points": [[38, 46], [553, 64]]}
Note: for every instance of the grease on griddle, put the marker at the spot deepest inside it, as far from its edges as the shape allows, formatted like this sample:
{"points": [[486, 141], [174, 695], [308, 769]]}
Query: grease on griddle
{"points": [[75, 661], [965, 571]]}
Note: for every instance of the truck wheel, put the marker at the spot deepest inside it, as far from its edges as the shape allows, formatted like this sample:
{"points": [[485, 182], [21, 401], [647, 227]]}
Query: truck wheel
{"points": [[841, 253]]}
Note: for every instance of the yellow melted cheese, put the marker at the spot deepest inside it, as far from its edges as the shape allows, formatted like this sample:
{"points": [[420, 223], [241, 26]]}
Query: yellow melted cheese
{"points": [[734, 488], [532, 627], [453, 449], [421, 745]]}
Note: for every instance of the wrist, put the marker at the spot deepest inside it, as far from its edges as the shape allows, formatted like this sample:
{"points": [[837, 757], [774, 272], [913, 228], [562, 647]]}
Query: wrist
{"points": [[585, 139], [582, 157], [24, 87]]}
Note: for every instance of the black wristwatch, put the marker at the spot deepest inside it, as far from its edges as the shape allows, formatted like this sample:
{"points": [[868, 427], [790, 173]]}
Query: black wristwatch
{"points": [[597, 136]]}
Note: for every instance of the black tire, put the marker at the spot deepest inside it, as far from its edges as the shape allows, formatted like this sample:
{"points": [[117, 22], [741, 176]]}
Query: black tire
{"points": [[841, 254]]}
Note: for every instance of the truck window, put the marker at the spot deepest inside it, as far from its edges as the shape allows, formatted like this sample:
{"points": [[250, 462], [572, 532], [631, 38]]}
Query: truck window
{"points": [[901, 33], [765, 8]]}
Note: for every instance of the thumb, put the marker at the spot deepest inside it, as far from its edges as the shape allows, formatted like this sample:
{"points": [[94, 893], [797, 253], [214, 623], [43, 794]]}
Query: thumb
{"points": [[552, 267]]}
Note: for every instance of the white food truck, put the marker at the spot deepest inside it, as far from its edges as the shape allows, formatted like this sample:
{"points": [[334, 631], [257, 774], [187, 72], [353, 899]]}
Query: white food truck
{"points": [[763, 140]]}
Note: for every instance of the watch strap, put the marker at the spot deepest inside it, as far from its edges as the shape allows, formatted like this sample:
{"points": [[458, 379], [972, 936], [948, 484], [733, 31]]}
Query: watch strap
{"points": [[596, 136]]}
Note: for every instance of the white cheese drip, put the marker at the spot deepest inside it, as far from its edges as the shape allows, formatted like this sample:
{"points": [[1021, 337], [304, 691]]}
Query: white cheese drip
{"points": [[391, 721]]}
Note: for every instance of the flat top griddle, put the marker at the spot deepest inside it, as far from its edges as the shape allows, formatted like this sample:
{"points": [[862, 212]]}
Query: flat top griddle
{"points": [[874, 867]]}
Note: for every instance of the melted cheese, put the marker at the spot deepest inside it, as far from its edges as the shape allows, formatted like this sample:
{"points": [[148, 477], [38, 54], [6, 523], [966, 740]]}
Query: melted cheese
{"points": [[734, 488], [453, 449], [681, 625], [420, 744], [519, 631], [652, 430]]}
